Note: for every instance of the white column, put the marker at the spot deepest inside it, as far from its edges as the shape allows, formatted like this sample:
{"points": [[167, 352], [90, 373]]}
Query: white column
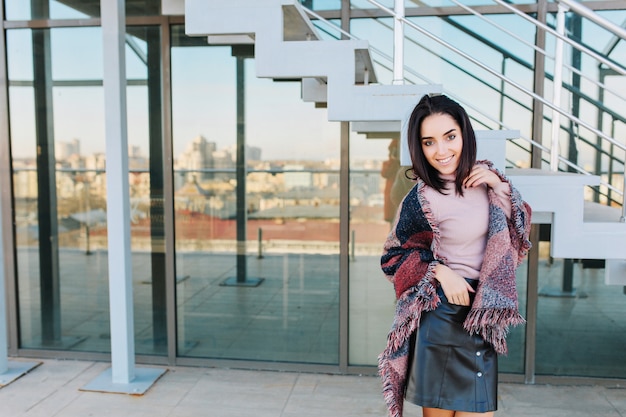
{"points": [[118, 200], [122, 377]]}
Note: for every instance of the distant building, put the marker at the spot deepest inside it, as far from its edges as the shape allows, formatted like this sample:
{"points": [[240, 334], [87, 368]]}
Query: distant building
{"points": [[295, 180], [65, 150], [197, 157]]}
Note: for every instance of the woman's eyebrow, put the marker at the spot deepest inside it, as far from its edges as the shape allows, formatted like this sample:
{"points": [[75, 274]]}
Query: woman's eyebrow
{"points": [[430, 137]]}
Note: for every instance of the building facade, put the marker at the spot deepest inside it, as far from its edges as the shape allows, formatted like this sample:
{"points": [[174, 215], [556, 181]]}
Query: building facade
{"points": [[285, 273]]}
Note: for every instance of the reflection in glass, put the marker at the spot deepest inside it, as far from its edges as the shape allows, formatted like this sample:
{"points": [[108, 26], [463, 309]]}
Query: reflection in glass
{"points": [[582, 333], [73, 9], [322, 4], [59, 197], [51, 9], [374, 169], [57, 131], [287, 307]]}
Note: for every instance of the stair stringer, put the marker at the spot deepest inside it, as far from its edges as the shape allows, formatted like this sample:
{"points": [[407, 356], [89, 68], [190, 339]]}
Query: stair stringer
{"points": [[333, 61]]}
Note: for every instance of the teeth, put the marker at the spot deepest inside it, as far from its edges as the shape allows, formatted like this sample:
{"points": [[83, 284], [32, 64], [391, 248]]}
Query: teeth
{"points": [[445, 161]]}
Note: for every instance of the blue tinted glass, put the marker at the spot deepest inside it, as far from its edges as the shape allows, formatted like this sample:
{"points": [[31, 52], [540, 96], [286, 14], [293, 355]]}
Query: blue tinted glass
{"points": [[51, 9], [322, 4], [73, 9]]}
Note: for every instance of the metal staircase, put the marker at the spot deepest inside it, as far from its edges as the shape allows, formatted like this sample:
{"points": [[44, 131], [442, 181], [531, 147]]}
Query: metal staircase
{"points": [[287, 46], [339, 74]]}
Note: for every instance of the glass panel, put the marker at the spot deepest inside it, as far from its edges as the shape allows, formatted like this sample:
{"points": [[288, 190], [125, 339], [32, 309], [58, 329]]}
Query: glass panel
{"points": [[57, 105], [580, 330], [142, 7], [59, 189], [374, 169], [73, 9], [364, 4], [322, 4], [463, 80], [513, 362], [258, 275], [51, 9], [145, 144]]}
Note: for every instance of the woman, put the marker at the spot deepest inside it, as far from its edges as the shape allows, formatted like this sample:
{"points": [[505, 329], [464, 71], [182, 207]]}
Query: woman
{"points": [[457, 239]]}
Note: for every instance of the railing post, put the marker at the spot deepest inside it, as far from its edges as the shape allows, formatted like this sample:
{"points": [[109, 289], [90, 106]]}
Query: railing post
{"points": [[398, 43], [260, 243], [623, 216], [557, 82], [353, 246]]}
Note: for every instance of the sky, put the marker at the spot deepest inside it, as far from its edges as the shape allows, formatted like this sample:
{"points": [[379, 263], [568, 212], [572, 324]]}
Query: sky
{"points": [[204, 94]]}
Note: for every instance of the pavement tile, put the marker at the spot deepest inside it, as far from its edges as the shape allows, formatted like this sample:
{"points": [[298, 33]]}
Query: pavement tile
{"points": [[54, 390]]}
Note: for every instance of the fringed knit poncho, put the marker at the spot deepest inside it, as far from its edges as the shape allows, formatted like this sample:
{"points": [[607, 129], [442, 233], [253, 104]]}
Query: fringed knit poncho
{"points": [[409, 258]]}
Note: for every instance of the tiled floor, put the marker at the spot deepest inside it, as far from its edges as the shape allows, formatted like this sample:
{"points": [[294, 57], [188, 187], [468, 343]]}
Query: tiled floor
{"points": [[293, 316], [54, 389]]}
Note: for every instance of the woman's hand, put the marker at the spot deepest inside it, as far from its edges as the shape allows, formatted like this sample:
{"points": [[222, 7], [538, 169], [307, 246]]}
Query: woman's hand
{"points": [[454, 286], [480, 174]]}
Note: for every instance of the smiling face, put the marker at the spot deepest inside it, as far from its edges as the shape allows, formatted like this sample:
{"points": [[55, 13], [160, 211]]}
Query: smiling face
{"points": [[442, 142]]}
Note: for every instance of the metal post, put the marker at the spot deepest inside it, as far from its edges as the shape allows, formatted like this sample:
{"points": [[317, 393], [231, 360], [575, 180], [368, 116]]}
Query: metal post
{"points": [[532, 285], [47, 216], [538, 82], [260, 243], [344, 239], [398, 43], [557, 87], [353, 246], [118, 200], [242, 213], [4, 363], [241, 173], [122, 377]]}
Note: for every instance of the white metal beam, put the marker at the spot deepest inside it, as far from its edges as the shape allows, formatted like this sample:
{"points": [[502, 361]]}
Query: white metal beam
{"points": [[122, 377]]}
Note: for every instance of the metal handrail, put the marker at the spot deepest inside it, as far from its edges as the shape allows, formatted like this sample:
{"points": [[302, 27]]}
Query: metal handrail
{"points": [[427, 80], [504, 78], [594, 17], [574, 44], [511, 82], [501, 28]]}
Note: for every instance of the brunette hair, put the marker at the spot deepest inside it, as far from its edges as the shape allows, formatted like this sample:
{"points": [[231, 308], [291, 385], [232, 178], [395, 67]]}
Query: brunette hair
{"points": [[440, 104]]}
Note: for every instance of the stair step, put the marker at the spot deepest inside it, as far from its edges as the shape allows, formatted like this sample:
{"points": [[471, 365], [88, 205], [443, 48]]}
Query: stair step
{"points": [[339, 75]]}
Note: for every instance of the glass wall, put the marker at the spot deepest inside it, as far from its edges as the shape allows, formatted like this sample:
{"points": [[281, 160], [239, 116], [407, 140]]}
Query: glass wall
{"points": [[374, 171], [57, 139], [51, 9], [258, 267], [146, 183], [57, 131], [256, 197], [581, 330], [73, 9]]}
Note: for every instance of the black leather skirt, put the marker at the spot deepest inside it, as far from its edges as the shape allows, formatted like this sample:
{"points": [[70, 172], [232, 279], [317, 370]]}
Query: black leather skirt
{"points": [[450, 369]]}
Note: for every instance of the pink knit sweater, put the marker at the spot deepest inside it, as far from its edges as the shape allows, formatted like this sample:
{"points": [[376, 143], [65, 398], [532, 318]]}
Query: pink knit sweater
{"points": [[463, 222]]}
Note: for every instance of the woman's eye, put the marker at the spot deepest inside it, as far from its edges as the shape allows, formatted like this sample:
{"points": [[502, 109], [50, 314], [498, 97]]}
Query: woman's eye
{"points": [[427, 142], [451, 137]]}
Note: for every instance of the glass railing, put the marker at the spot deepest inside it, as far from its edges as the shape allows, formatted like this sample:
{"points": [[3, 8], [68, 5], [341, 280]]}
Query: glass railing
{"points": [[288, 210]]}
